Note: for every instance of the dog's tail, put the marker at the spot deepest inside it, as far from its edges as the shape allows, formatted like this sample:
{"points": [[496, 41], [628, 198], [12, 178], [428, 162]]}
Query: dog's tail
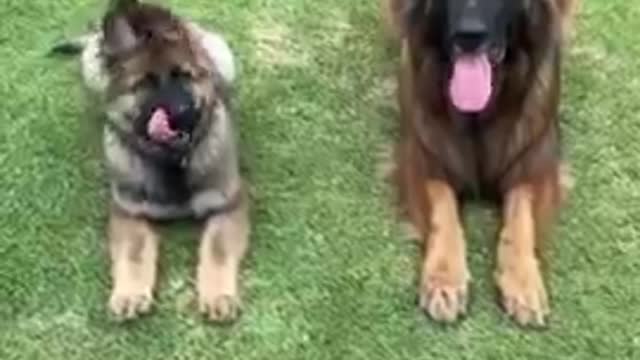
{"points": [[70, 47]]}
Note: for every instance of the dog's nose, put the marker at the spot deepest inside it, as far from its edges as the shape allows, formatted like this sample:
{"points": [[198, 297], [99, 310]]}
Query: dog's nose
{"points": [[471, 33]]}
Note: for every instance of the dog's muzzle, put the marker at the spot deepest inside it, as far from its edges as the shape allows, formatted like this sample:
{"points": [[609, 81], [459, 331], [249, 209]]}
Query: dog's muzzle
{"points": [[170, 115]]}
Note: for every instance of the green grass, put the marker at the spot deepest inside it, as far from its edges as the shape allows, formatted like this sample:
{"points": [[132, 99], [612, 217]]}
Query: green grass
{"points": [[330, 275]]}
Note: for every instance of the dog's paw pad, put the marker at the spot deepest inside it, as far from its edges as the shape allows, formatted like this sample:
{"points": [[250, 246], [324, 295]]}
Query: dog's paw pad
{"points": [[444, 302], [220, 309], [126, 305], [524, 297], [526, 312]]}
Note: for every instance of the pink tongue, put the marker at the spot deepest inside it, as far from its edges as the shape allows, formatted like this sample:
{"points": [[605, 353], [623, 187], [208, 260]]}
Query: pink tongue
{"points": [[470, 87], [159, 128]]}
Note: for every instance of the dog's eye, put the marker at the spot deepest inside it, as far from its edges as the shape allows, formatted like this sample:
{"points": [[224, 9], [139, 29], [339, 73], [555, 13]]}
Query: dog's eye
{"points": [[149, 80], [177, 73]]}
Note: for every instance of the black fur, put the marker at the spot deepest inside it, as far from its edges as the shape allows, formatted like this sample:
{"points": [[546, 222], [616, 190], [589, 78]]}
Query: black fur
{"points": [[66, 48]]}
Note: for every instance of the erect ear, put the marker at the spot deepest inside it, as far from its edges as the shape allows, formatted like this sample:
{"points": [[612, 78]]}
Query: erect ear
{"points": [[416, 10], [119, 36], [540, 29]]}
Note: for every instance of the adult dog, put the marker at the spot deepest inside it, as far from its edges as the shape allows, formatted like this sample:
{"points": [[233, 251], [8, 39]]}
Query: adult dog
{"points": [[479, 94], [170, 150]]}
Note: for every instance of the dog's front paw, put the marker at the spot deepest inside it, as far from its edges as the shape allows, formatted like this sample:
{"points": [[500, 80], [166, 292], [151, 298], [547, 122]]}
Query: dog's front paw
{"points": [[524, 297], [126, 304], [444, 294], [219, 308]]}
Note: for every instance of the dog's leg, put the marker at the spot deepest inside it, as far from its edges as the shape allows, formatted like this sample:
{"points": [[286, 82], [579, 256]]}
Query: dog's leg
{"points": [[223, 245], [518, 272], [445, 277], [133, 247]]}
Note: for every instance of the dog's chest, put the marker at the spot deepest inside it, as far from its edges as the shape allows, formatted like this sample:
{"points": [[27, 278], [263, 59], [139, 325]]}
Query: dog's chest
{"points": [[162, 184], [475, 159], [156, 191], [163, 191]]}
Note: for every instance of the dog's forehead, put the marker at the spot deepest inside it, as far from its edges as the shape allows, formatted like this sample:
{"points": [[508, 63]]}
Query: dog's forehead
{"points": [[169, 54], [162, 58], [495, 13]]}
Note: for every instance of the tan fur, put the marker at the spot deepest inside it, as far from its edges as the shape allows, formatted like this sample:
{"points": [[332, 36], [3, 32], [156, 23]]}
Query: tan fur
{"points": [[222, 247], [568, 10], [392, 17], [443, 292], [133, 247], [518, 273]]}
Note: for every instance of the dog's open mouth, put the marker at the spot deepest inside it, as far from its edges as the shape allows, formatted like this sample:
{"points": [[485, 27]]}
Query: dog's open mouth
{"points": [[161, 130], [471, 85]]}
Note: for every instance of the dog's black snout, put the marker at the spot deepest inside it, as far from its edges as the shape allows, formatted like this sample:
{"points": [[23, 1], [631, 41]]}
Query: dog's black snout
{"points": [[470, 34], [179, 103]]}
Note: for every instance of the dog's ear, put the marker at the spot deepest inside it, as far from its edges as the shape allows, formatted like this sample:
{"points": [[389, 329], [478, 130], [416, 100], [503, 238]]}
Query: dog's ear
{"points": [[539, 30], [119, 36], [122, 5], [415, 11]]}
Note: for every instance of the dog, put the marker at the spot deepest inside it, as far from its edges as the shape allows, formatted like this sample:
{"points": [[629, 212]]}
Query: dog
{"points": [[164, 85], [479, 94]]}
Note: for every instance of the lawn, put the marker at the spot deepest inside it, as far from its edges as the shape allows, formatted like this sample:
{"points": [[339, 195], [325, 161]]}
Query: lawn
{"points": [[330, 274]]}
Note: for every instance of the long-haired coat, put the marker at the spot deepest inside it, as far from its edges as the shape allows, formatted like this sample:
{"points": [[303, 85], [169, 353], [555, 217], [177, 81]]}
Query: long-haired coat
{"points": [[479, 96]]}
